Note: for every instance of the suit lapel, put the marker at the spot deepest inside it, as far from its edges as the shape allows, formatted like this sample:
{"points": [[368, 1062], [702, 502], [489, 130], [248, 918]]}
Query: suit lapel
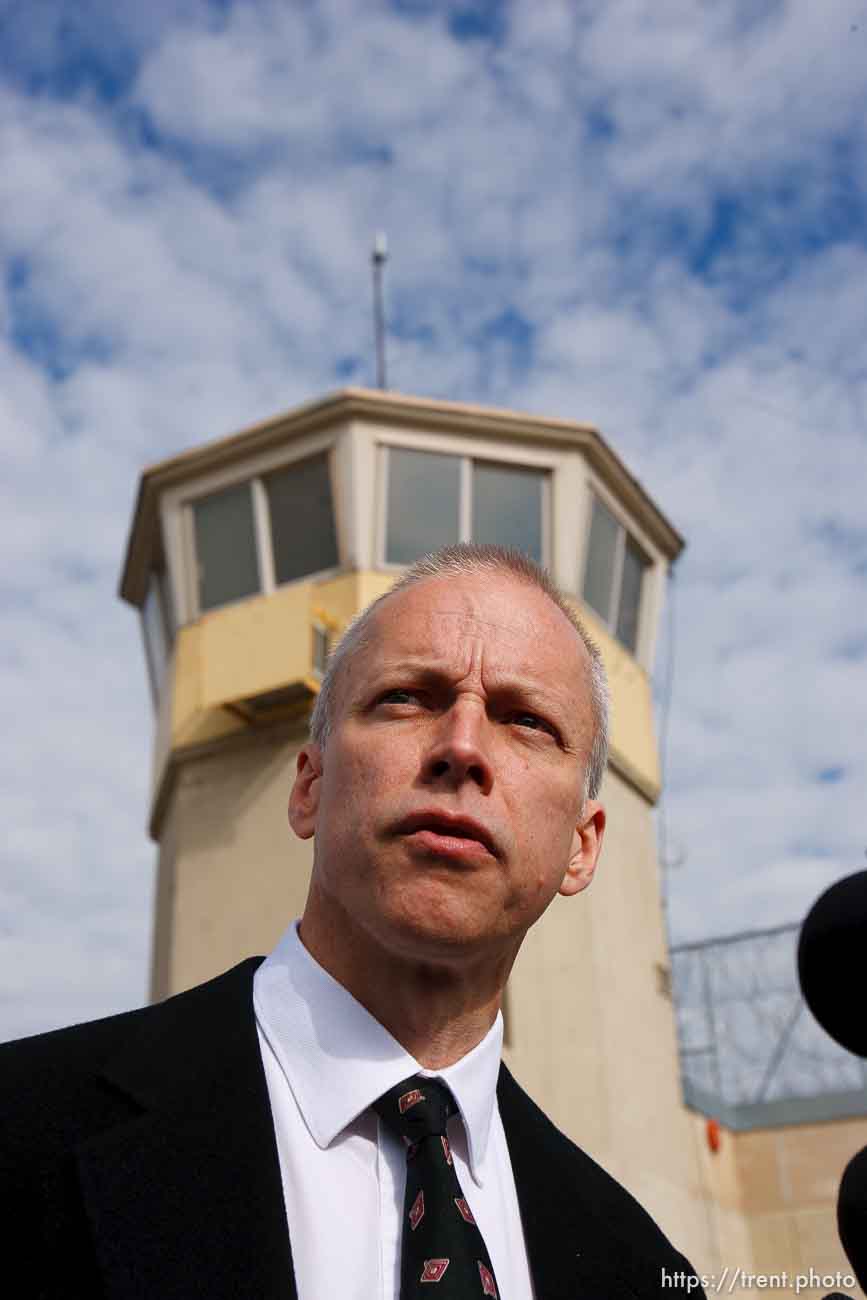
{"points": [[572, 1251], [185, 1197]]}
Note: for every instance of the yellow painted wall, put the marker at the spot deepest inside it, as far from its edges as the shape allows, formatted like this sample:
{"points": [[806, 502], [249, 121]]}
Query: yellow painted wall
{"points": [[255, 646], [633, 735]]}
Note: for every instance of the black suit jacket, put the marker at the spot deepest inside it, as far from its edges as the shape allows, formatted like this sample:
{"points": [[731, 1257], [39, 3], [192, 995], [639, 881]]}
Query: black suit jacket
{"points": [[138, 1159]]}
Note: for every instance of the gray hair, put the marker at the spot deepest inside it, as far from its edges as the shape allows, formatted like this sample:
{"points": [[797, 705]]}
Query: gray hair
{"points": [[465, 559]]}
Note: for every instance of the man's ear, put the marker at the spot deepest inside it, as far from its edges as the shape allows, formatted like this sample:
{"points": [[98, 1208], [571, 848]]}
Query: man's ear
{"points": [[586, 847], [304, 799]]}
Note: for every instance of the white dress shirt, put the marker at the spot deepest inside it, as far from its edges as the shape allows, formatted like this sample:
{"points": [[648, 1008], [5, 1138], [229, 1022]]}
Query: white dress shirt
{"points": [[326, 1060]]}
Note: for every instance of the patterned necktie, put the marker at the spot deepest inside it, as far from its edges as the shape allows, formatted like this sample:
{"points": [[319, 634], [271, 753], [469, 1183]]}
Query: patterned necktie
{"points": [[441, 1242]]}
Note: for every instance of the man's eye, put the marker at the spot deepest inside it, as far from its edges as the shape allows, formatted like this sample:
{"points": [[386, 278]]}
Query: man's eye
{"points": [[391, 697], [532, 721]]}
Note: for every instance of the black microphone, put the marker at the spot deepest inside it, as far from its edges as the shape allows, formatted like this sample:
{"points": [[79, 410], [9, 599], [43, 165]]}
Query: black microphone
{"points": [[852, 1214], [832, 961]]}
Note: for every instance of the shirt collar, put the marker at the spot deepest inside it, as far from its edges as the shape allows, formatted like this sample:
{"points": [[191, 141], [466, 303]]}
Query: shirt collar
{"points": [[337, 1058]]}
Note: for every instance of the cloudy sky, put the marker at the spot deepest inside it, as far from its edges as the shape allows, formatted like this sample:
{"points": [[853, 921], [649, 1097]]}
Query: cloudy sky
{"points": [[645, 214]]}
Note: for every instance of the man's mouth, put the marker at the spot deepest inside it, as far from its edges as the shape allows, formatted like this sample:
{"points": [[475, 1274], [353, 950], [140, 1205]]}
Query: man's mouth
{"points": [[450, 834]]}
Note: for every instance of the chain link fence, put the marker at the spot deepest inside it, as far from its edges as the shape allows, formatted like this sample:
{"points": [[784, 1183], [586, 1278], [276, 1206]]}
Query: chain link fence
{"points": [[751, 1053]]}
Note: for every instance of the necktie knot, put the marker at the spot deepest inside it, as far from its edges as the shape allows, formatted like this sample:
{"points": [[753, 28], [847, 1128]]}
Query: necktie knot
{"points": [[416, 1108]]}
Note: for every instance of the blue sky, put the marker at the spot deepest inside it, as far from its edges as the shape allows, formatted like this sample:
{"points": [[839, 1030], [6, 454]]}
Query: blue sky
{"points": [[643, 214]]}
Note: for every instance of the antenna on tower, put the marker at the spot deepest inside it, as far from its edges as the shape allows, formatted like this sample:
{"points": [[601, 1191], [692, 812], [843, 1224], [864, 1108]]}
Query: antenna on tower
{"points": [[378, 260]]}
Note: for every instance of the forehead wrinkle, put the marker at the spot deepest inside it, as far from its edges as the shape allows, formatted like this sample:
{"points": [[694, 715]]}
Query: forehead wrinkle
{"points": [[467, 616], [472, 624], [399, 650], [464, 633]]}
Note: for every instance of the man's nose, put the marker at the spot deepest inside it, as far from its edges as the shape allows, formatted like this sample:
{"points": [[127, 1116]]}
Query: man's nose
{"points": [[460, 747]]}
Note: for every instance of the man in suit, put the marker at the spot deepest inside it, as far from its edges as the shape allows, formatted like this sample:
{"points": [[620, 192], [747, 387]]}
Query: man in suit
{"points": [[253, 1136]]}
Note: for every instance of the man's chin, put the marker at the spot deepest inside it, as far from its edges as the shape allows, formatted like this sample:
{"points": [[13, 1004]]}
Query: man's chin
{"points": [[426, 933]]}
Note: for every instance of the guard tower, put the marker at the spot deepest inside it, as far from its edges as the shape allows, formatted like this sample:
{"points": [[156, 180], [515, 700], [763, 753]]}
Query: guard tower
{"points": [[247, 558]]}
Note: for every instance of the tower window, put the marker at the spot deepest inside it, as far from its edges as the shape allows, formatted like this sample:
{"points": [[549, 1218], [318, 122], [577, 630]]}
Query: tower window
{"points": [[507, 506], [614, 575], [436, 500], [158, 631], [424, 491], [269, 530], [227, 563], [302, 519]]}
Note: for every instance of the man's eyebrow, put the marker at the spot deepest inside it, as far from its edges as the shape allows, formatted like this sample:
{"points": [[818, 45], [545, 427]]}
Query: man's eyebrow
{"points": [[430, 673]]}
